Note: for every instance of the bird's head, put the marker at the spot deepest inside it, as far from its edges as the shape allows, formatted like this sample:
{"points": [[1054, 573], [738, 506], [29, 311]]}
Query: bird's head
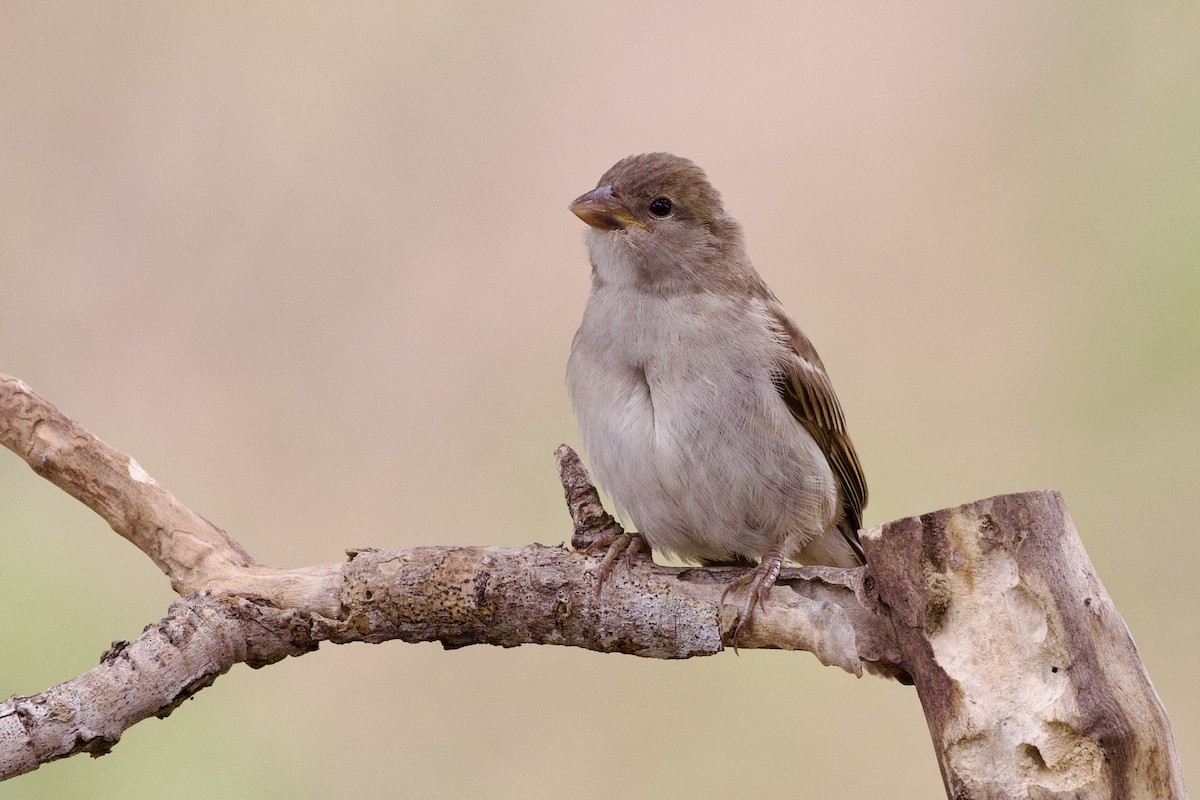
{"points": [[656, 222]]}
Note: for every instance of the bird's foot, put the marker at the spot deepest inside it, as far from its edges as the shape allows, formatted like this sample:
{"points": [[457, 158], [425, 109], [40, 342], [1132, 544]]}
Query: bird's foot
{"points": [[614, 542], [758, 581]]}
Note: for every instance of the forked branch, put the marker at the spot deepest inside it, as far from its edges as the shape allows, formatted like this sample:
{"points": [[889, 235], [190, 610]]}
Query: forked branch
{"points": [[1029, 679]]}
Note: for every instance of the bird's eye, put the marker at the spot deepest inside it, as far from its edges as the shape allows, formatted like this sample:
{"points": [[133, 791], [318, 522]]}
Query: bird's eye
{"points": [[660, 206]]}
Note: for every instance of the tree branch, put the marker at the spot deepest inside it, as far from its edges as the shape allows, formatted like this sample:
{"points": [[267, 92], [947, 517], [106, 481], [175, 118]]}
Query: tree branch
{"points": [[189, 549], [239, 611], [1029, 679]]}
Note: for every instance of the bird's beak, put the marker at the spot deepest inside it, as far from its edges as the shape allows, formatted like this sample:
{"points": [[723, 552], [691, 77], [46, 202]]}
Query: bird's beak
{"points": [[601, 209]]}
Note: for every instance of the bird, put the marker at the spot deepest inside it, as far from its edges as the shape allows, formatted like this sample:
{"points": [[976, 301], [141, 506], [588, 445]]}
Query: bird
{"points": [[706, 412]]}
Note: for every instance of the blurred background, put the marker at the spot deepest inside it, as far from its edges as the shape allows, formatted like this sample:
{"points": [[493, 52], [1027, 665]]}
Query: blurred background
{"points": [[311, 264]]}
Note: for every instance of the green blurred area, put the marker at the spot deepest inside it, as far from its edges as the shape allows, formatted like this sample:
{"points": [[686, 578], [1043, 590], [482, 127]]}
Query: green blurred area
{"points": [[312, 266]]}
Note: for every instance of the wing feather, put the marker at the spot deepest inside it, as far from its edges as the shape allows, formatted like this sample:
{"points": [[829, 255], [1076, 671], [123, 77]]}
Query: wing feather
{"points": [[808, 392]]}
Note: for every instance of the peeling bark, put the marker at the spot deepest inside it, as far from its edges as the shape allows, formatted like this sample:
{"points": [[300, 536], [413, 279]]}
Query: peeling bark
{"points": [[1030, 681]]}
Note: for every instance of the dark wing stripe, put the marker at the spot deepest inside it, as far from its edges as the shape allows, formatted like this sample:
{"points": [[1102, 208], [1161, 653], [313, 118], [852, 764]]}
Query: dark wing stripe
{"points": [[805, 387], [827, 426]]}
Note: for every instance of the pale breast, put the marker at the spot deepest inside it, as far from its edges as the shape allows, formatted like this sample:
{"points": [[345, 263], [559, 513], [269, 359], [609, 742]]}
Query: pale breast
{"points": [[685, 429]]}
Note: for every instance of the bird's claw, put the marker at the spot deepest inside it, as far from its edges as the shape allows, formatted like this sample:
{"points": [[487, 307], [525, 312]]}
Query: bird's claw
{"points": [[614, 543], [759, 579]]}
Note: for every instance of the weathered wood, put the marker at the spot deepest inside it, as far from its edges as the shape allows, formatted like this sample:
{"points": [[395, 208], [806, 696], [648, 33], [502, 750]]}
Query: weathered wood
{"points": [[259, 614], [1030, 681], [457, 596], [189, 549]]}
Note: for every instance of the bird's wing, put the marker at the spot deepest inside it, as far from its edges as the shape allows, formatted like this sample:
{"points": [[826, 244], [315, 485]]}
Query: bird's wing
{"points": [[805, 387]]}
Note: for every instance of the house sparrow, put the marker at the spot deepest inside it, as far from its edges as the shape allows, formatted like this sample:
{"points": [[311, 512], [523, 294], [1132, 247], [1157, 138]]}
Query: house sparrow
{"points": [[706, 411]]}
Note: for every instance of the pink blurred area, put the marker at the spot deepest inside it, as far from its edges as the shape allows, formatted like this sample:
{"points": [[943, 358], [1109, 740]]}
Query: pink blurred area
{"points": [[311, 264]]}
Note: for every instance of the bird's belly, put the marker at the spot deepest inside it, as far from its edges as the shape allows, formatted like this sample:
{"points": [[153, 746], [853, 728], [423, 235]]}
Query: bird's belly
{"points": [[710, 466]]}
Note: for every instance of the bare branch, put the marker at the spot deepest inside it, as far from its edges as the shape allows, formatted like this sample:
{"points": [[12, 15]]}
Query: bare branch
{"points": [[189, 549], [240, 611], [1029, 679], [454, 595]]}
